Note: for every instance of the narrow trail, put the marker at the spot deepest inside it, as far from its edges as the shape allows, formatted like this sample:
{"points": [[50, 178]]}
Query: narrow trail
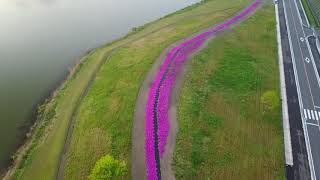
{"points": [[156, 104]]}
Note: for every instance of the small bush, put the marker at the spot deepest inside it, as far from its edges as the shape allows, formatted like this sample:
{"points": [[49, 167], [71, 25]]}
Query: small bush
{"points": [[108, 168], [270, 101]]}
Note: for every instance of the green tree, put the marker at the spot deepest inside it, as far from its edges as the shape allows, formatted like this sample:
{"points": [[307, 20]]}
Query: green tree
{"points": [[108, 168]]}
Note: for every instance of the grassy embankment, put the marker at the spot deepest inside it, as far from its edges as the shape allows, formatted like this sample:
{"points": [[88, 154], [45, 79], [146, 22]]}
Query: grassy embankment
{"points": [[312, 20], [103, 124], [229, 113], [104, 121]]}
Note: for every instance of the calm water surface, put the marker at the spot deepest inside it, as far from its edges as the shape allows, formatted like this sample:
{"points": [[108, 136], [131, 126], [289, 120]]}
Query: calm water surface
{"points": [[41, 39]]}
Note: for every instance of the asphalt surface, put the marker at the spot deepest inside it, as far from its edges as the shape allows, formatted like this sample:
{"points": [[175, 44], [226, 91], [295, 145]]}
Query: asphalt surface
{"points": [[303, 90]]}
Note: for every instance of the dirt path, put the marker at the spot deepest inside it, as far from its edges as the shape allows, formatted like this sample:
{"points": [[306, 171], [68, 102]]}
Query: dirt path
{"points": [[139, 138], [138, 150], [106, 55], [166, 160]]}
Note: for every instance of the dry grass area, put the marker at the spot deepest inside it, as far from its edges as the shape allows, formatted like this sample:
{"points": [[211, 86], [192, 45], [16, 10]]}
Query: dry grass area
{"points": [[228, 112]]}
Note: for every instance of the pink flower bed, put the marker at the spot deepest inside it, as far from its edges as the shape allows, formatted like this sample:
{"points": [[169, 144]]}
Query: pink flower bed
{"points": [[157, 122]]}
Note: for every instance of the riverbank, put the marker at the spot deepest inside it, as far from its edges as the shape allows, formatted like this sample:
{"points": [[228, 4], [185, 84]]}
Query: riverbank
{"points": [[26, 129], [113, 93], [105, 119], [38, 122]]}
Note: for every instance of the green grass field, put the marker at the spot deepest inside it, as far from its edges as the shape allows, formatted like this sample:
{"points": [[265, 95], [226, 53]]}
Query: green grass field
{"points": [[312, 20], [103, 124], [229, 112]]}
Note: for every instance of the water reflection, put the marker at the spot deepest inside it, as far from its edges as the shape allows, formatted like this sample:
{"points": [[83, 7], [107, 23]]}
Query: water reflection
{"points": [[24, 3], [41, 39]]}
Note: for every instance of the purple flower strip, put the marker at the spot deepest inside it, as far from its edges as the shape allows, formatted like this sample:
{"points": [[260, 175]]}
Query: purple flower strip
{"points": [[157, 121]]}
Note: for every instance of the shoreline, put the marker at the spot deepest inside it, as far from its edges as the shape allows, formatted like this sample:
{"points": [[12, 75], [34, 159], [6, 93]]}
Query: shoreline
{"points": [[29, 128]]}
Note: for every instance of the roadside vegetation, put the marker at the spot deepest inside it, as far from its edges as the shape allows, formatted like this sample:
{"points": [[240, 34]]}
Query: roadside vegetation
{"points": [[229, 112], [100, 96], [108, 168], [312, 20]]}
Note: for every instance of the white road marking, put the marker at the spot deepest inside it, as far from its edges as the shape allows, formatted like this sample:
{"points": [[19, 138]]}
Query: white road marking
{"points": [[316, 114], [313, 124], [309, 36], [310, 158], [304, 13], [307, 59], [307, 41], [305, 113], [311, 114]]}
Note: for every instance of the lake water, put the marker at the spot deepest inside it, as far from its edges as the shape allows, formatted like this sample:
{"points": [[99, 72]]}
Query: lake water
{"points": [[41, 39]]}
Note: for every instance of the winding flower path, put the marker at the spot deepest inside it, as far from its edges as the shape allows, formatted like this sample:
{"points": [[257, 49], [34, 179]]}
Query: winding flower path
{"points": [[157, 124]]}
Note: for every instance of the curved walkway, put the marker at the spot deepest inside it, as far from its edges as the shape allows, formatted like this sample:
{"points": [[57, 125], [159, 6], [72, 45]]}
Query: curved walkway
{"points": [[152, 154]]}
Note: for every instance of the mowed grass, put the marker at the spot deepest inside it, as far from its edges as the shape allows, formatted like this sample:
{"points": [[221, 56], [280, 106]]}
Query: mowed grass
{"points": [[104, 121], [312, 20], [228, 112]]}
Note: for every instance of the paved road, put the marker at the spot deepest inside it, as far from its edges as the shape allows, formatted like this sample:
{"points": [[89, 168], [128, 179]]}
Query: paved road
{"points": [[306, 137]]}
